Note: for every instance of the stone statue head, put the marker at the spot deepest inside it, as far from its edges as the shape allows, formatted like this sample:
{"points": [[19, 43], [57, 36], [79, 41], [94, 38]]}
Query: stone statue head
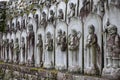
{"points": [[48, 3], [60, 11], [91, 29], [30, 28], [51, 12], [74, 32], [39, 37], [112, 29], [48, 35], [59, 32], [72, 5], [43, 14]]}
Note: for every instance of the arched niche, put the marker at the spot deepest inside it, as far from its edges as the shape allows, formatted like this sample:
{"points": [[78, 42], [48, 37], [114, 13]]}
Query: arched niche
{"points": [[49, 46], [93, 57], [75, 45], [61, 45]]}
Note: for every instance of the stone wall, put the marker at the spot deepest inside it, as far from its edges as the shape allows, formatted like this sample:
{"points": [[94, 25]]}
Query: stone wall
{"points": [[75, 36], [15, 72]]}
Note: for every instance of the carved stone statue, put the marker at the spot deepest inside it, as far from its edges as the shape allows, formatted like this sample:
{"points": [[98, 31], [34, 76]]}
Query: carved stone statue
{"points": [[59, 37], [23, 24], [92, 49], [61, 50], [40, 48], [61, 14], [112, 57], [7, 50], [11, 49], [113, 47], [52, 16], [63, 42], [49, 49], [22, 49], [3, 49], [72, 11], [36, 19], [31, 43], [74, 41], [48, 3], [43, 21], [16, 51], [73, 46], [18, 25]]}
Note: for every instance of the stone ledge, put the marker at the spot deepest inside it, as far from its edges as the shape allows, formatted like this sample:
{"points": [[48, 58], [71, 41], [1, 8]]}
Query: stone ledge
{"points": [[40, 73]]}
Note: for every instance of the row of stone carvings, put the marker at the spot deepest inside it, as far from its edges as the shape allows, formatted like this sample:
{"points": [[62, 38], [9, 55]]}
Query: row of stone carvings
{"points": [[73, 44]]}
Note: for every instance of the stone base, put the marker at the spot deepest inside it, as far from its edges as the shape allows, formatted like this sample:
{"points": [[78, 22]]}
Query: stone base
{"points": [[91, 71], [48, 66], [61, 68], [111, 73], [74, 69]]}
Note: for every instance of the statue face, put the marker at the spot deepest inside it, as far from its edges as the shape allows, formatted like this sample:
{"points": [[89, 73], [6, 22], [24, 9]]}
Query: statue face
{"points": [[39, 37], [59, 32], [91, 29], [48, 35], [112, 30], [60, 11], [74, 33], [71, 5], [51, 12], [44, 14], [30, 28]]}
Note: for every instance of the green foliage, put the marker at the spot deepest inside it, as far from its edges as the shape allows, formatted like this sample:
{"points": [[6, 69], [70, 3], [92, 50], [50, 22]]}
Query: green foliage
{"points": [[66, 1]]}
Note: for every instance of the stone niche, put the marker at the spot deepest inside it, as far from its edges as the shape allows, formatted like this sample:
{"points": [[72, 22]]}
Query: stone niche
{"points": [[70, 36]]}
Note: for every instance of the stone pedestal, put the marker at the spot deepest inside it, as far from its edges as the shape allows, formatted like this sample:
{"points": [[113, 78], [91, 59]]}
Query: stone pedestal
{"points": [[111, 73]]}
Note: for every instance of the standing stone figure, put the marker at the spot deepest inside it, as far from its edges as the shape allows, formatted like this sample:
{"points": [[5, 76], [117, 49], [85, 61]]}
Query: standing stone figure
{"points": [[52, 16], [31, 44], [16, 51], [22, 49], [61, 50], [113, 47], [72, 11], [7, 50], [40, 48], [49, 49], [73, 45], [43, 21], [63, 42], [3, 49], [11, 49], [61, 14], [36, 20], [92, 49]]}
